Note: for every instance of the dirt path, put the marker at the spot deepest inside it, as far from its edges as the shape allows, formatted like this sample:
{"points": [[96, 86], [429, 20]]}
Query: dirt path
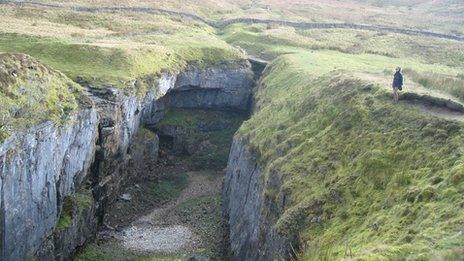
{"points": [[164, 229], [445, 106], [189, 224]]}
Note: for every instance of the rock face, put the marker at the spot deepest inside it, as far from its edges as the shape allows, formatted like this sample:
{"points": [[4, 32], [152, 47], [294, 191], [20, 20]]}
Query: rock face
{"points": [[48, 166], [249, 215], [120, 118], [38, 169], [227, 85]]}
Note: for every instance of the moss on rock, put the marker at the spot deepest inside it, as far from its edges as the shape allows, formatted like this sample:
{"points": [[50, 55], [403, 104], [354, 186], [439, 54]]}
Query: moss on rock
{"points": [[73, 207], [31, 92]]}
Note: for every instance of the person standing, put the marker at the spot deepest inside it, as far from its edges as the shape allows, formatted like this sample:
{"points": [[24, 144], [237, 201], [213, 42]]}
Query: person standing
{"points": [[397, 84]]}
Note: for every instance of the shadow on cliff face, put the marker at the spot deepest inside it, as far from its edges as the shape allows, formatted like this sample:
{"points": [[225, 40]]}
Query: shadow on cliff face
{"points": [[202, 137]]}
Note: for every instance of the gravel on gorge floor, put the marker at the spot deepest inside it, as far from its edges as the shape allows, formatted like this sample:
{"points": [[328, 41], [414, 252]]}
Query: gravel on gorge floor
{"points": [[146, 238]]}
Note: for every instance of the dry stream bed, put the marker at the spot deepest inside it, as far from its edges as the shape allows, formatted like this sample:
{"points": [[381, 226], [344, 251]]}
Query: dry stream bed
{"points": [[173, 209]]}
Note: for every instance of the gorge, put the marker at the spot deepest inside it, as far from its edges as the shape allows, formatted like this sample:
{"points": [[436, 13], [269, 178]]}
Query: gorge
{"points": [[76, 170], [231, 130]]}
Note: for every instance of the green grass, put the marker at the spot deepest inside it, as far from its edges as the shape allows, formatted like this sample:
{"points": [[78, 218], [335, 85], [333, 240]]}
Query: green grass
{"points": [[384, 180], [270, 42], [441, 15], [204, 215], [72, 59], [72, 209], [192, 118], [114, 252], [106, 50], [31, 93], [212, 144], [64, 222], [196, 209], [435, 64], [110, 49], [430, 80], [115, 66], [169, 187], [311, 64]]}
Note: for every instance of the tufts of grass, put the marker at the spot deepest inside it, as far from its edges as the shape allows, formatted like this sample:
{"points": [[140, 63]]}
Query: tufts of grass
{"points": [[73, 205], [114, 252], [66, 217], [209, 132], [169, 187], [365, 178], [445, 83], [115, 66], [441, 15], [196, 206], [31, 93], [272, 42], [110, 49], [204, 215]]}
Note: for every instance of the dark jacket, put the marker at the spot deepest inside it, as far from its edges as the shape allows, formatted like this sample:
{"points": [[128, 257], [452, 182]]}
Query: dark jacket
{"points": [[398, 80]]}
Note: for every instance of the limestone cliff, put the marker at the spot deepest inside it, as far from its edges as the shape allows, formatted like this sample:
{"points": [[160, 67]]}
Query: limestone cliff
{"points": [[227, 85], [39, 167], [48, 172], [250, 216]]}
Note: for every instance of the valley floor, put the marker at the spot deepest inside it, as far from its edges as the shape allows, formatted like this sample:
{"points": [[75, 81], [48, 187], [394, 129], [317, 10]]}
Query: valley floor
{"points": [[171, 208], [180, 221]]}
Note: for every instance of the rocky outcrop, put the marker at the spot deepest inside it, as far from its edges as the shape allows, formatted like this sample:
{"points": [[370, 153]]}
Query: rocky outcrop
{"points": [[250, 216], [227, 85], [144, 152], [56, 182], [258, 66], [120, 118], [39, 167], [48, 163]]}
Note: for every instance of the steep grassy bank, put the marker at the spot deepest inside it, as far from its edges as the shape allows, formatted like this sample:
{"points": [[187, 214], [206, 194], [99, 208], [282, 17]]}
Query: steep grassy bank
{"points": [[389, 178], [31, 92]]}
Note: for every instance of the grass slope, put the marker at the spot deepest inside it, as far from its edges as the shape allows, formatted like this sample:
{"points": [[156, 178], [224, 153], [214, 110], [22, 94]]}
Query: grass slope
{"points": [[433, 64], [388, 178], [272, 41], [109, 48], [31, 93], [104, 49], [443, 15]]}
